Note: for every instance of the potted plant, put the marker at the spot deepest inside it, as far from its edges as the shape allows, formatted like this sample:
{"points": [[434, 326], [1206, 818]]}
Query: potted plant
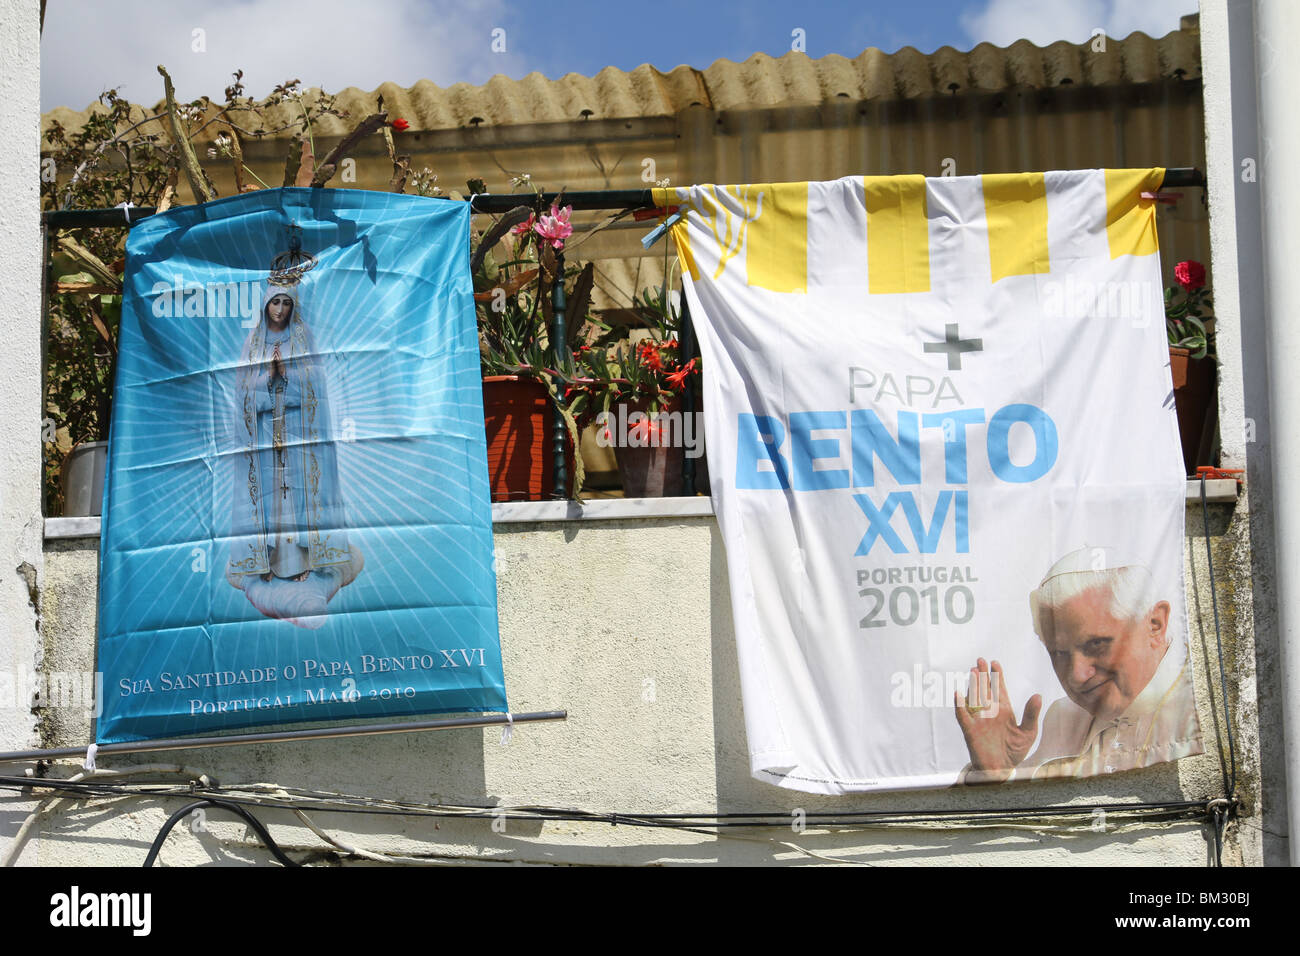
{"points": [[1189, 323], [527, 377], [84, 293], [120, 158], [638, 386]]}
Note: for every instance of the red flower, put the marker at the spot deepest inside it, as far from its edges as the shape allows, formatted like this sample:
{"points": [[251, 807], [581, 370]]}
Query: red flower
{"points": [[1190, 275], [677, 379], [644, 430], [401, 125]]}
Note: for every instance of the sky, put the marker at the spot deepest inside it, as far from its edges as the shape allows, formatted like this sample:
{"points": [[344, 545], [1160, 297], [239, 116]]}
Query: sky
{"points": [[88, 46]]}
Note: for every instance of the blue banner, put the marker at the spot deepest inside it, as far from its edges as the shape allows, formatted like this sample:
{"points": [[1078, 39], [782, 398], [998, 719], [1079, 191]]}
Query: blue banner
{"points": [[297, 523]]}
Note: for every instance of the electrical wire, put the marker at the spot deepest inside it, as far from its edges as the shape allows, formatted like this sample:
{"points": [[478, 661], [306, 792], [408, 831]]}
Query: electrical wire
{"points": [[252, 821], [1112, 817], [48, 803], [282, 799]]}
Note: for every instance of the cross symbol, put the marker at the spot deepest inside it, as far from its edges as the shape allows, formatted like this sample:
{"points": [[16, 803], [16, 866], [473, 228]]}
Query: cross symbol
{"points": [[954, 345]]}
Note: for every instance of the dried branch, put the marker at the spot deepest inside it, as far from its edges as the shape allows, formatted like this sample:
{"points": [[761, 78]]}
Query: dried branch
{"points": [[603, 224], [579, 303], [510, 288], [90, 288], [363, 129], [401, 164], [401, 170], [101, 328], [99, 150], [306, 166], [168, 193], [292, 160], [203, 190], [237, 159], [94, 265]]}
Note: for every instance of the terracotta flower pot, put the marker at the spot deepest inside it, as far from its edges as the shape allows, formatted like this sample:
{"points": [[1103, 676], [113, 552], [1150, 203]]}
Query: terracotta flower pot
{"points": [[519, 419], [1194, 398], [651, 470]]}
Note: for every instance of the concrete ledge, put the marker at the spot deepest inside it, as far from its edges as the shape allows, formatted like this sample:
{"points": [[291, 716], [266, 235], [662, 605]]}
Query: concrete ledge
{"points": [[601, 509], [72, 527], [512, 512], [1218, 491]]}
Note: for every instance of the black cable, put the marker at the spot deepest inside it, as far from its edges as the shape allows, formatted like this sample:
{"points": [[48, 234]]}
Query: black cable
{"points": [[234, 808], [864, 818], [1229, 782], [703, 824]]}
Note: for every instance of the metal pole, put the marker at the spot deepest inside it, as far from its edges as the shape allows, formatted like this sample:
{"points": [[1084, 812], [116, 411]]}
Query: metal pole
{"points": [[493, 202], [687, 344], [593, 199], [559, 336], [320, 733]]}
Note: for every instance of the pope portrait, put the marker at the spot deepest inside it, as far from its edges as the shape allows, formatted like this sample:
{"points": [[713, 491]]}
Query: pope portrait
{"points": [[1128, 690], [289, 551]]}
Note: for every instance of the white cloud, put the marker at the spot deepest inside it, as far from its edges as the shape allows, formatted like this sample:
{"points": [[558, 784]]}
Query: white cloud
{"points": [[1002, 22], [87, 47]]}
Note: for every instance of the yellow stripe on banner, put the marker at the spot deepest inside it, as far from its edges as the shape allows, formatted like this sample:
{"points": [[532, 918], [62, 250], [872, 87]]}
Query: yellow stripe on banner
{"points": [[898, 234], [1015, 207], [681, 234], [776, 247], [1130, 219]]}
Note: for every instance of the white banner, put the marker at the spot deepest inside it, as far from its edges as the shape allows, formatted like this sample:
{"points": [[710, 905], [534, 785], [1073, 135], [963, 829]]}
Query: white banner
{"points": [[945, 462]]}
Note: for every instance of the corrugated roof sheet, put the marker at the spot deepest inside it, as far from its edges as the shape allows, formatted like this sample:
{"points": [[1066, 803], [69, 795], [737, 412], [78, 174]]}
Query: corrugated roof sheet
{"points": [[762, 81]]}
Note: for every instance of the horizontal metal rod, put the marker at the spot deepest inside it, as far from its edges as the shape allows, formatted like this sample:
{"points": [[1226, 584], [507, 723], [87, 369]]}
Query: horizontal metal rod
{"points": [[95, 218], [1184, 176], [319, 733], [598, 199], [484, 202]]}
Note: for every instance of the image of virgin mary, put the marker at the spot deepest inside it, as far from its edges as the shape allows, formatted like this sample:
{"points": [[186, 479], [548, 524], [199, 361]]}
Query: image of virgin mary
{"points": [[290, 553]]}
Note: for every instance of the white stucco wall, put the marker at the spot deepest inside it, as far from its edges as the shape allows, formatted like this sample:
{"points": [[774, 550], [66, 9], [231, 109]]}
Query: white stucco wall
{"points": [[627, 625], [21, 529]]}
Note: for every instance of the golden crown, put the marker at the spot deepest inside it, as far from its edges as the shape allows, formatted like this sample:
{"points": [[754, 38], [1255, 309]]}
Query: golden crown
{"points": [[288, 268]]}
